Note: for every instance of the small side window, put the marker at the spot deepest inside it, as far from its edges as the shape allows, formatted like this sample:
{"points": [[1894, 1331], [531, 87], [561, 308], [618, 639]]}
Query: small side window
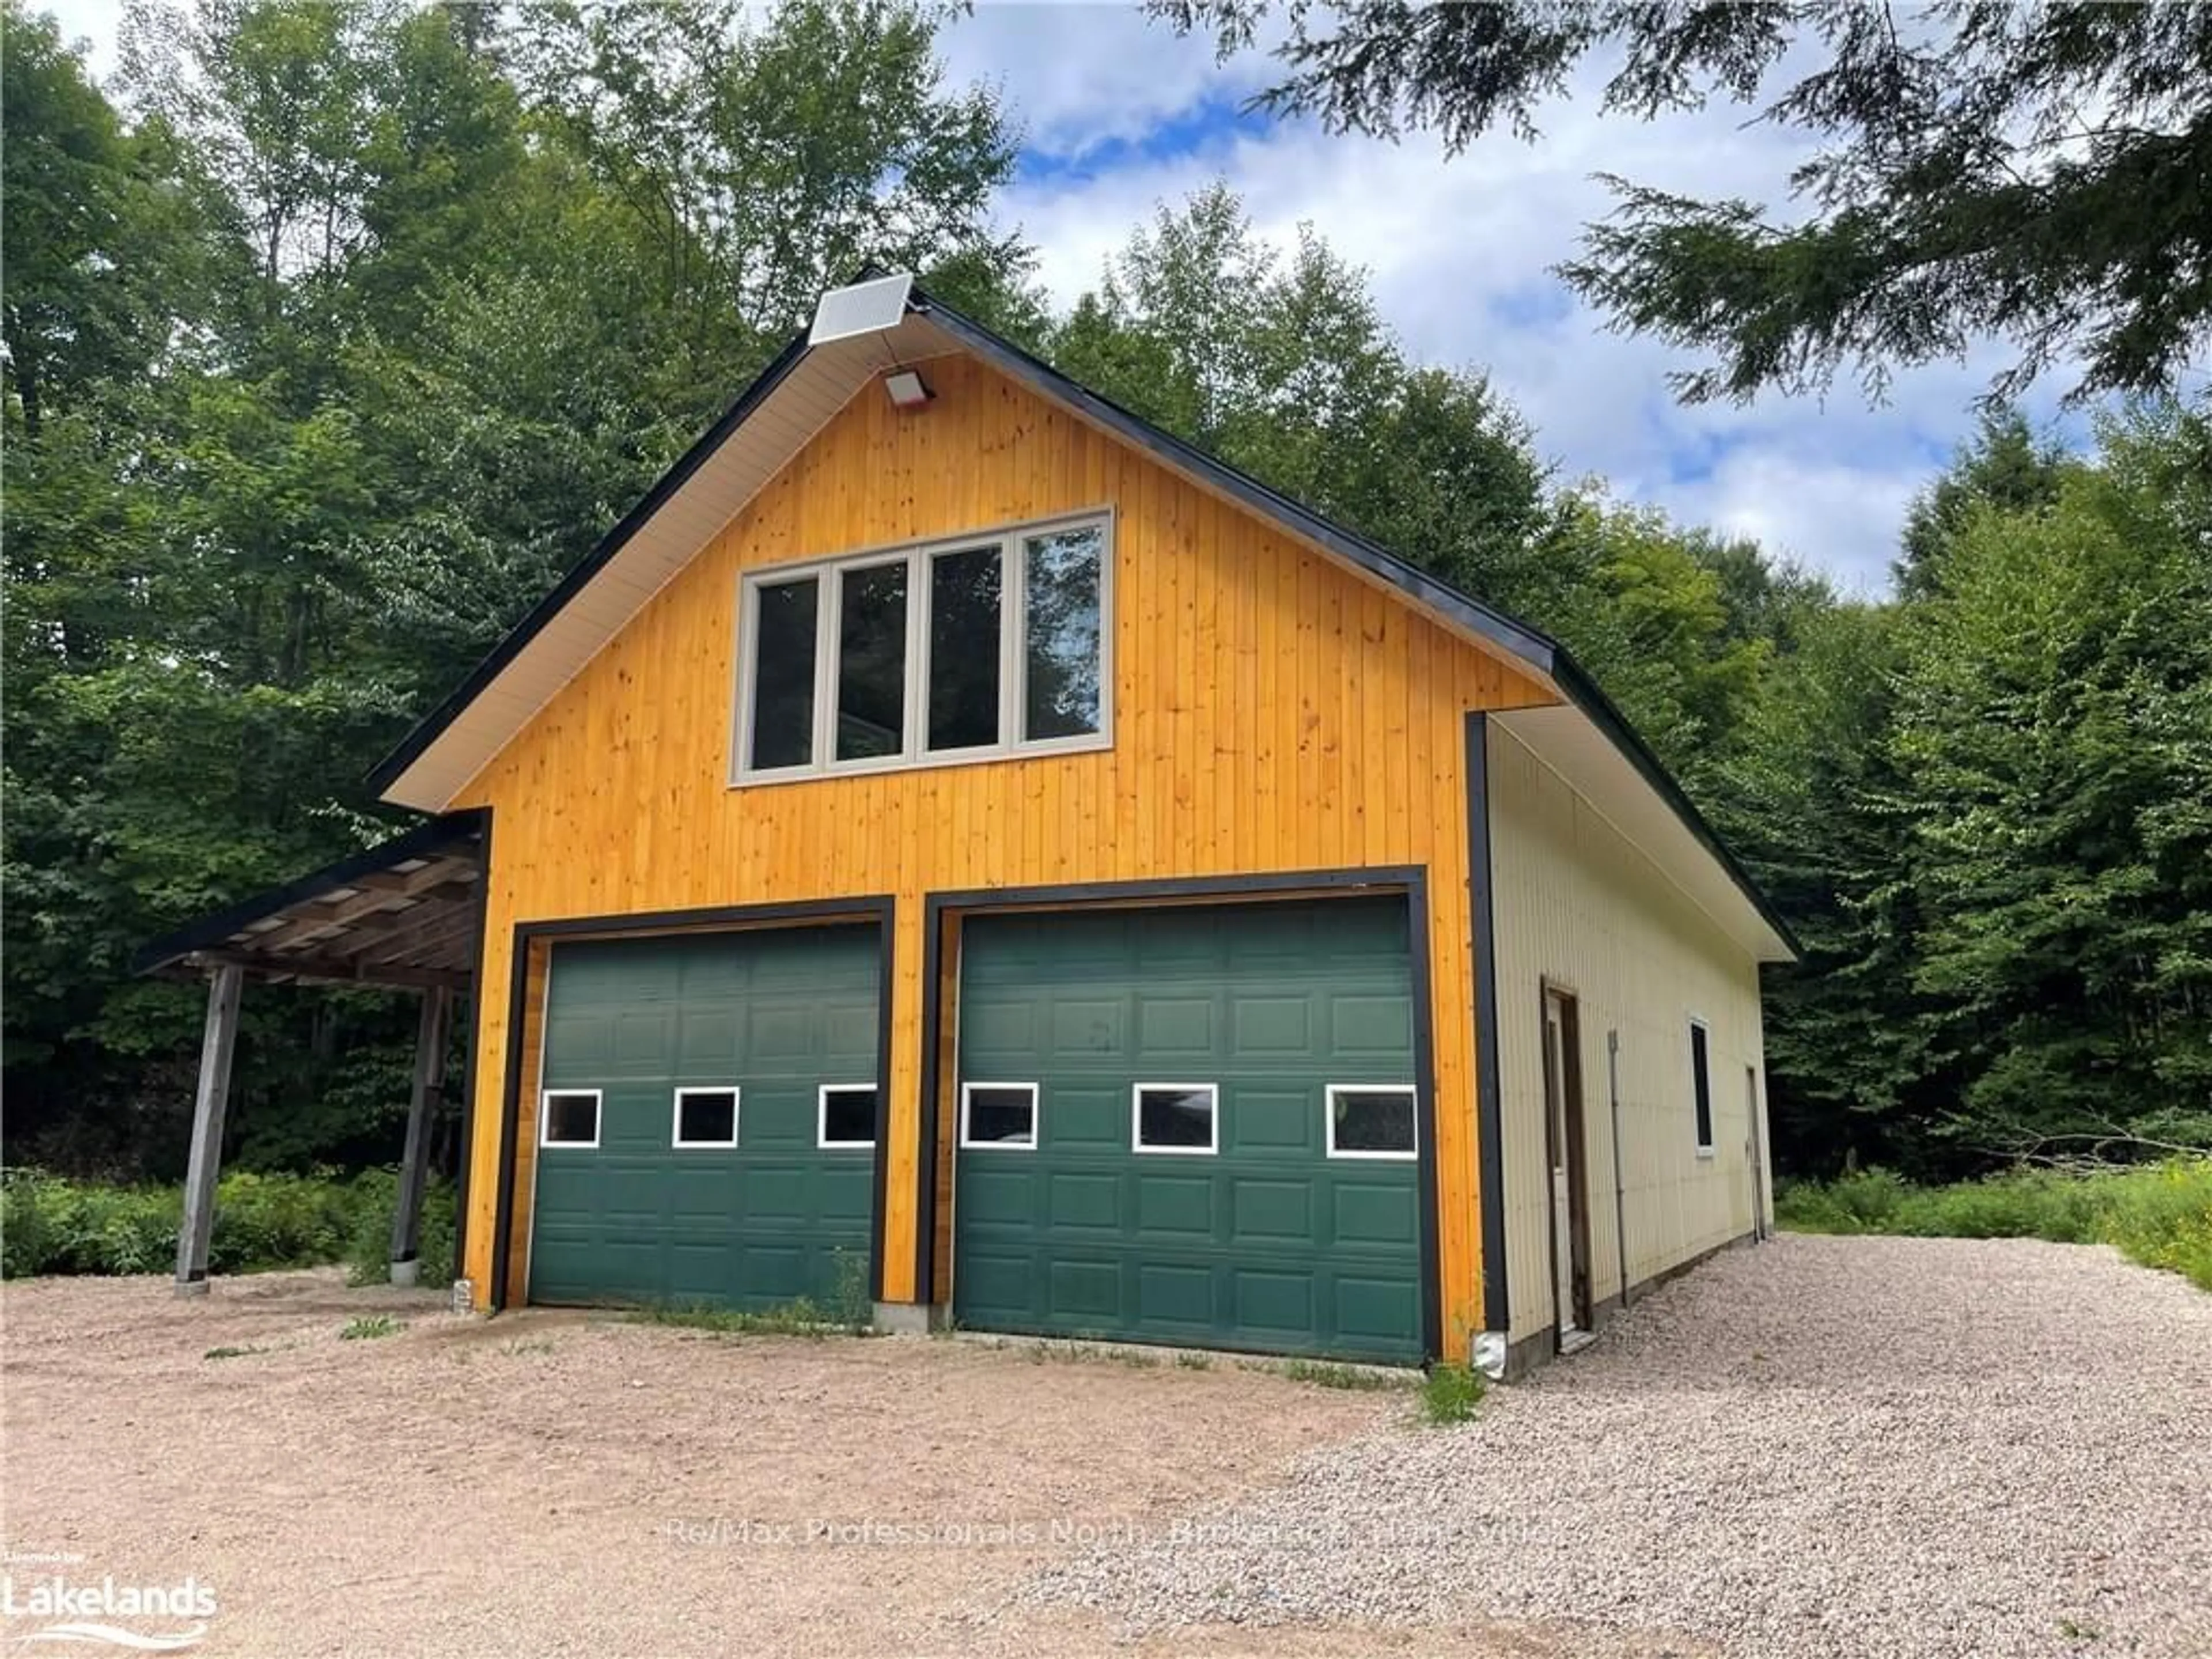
{"points": [[999, 1115], [568, 1117], [1371, 1121], [847, 1115], [1701, 1087], [1176, 1117], [706, 1117]]}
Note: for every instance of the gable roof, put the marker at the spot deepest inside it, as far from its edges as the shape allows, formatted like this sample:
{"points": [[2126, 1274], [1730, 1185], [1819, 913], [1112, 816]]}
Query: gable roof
{"points": [[795, 397]]}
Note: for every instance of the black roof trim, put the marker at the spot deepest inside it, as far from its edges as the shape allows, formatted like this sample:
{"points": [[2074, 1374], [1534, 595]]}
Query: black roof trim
{"points": [[1522, 640], [438, 835], [428, 730], [1530, 645], [1538, 650]]}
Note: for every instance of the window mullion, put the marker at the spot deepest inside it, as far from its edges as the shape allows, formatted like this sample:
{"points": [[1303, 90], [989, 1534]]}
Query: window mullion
{"points": [[1013, 637], [828, 625], [915, 739]]}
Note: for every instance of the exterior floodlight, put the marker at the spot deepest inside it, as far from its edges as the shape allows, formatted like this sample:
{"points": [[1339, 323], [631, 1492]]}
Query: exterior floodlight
{"points": [[907, 389]]}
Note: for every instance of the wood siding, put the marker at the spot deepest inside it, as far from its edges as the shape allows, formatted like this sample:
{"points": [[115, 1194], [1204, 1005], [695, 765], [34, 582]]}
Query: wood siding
{"points": [[1273, 712], [1577, 904]]}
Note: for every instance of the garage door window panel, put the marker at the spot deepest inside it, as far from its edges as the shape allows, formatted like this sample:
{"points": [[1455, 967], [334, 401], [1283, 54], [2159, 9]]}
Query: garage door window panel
{"points": [[706, 1117], [848, 1115], [999, 1116], [1372, 1121], [1176, 1118], [569, 1118]]}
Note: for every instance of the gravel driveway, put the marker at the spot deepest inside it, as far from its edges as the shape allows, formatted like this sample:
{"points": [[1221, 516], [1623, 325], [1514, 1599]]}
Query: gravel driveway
{"points": [[1824, 1447], [1856, 1448]]}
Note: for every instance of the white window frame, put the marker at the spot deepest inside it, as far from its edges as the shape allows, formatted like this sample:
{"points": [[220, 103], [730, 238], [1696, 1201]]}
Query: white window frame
{"points": [[1013, 652], [1212, 1093], [1705, 1149], [1411, 1092], [545, 1143], [1036, 1122], [822, 1141], [676, 1140]]}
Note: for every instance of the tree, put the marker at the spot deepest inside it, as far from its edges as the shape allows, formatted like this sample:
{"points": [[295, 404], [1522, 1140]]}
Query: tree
{"points": [[2031, 172], [2004, 467], [1285, 368], [2055, 721]]}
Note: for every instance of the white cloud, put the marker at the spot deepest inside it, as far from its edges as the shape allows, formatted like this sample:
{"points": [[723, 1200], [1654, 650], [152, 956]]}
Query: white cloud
{"points": [[1461, 251], [1080, 74]]}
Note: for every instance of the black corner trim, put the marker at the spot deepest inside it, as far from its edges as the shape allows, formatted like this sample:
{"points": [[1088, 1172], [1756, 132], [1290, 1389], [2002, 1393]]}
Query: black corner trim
{"points": [[886, 978], [510, 1137], [1420, 949], [875, 908], [469, 1055], [427, 730], [438, 835], [925, 1149], [1489, 1115]]}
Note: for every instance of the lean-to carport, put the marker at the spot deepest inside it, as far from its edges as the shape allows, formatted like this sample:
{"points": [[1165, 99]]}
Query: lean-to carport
{"points": [[405, 914]]}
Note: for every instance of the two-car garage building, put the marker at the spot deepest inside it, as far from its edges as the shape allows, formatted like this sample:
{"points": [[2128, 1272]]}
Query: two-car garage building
{"points": [[976, 853]]}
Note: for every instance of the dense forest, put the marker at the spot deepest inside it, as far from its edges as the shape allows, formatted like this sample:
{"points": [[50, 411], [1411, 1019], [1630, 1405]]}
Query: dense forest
{"points": [[334, 334]]}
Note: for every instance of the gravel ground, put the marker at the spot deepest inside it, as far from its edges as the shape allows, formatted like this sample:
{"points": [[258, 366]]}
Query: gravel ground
{"points": [[547, 1483], [1825, 1447], [1856, 1448]]}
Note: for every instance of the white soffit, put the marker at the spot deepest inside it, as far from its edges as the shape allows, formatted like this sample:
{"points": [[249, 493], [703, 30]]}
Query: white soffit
{"points": [[822, 382], [1573, 746]]}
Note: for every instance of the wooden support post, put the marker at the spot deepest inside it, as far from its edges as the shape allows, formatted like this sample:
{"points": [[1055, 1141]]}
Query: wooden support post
{"points": [[429, 1092], [206, 1163]]}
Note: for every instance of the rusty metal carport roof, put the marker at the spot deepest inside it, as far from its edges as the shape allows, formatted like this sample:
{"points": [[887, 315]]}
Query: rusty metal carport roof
{"points": [[404, 913]]}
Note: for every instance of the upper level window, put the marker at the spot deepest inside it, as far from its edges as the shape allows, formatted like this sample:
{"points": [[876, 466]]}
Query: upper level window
{"points": [[964, 650]]}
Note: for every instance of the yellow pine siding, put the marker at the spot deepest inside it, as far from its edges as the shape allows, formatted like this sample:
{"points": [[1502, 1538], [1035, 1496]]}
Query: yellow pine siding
{"points": [[1271, 712]]}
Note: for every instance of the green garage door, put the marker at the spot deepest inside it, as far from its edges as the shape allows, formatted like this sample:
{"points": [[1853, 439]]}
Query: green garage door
{"points": [[709, 1070], [1191, 1126]]}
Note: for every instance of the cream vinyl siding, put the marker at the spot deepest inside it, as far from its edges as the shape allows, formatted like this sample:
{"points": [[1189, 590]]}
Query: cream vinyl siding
{"points": [[1577, 904]]}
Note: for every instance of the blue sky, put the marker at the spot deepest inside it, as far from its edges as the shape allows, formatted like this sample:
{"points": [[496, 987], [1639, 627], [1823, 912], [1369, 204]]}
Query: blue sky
{"points": [[1120, 115]]}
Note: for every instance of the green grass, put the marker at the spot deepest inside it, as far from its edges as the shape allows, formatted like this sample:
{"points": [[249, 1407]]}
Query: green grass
{"points": [[369, 1326], [1450, 1393], [225, 1350], [1325, 1374], [800, 1317], [2159, 1214], [262, 1221]]}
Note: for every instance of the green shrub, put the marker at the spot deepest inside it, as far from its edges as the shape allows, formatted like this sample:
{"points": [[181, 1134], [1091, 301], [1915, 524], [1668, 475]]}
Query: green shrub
{"points": [[1450, 1393], [2162, 1218], [2160, 1215], [51, 1225], [368, 1242]]}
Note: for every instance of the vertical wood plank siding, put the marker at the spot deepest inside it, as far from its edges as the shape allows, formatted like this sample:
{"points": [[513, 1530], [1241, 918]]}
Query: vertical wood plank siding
{"points": [[1578, 903], [1272, 712]]}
